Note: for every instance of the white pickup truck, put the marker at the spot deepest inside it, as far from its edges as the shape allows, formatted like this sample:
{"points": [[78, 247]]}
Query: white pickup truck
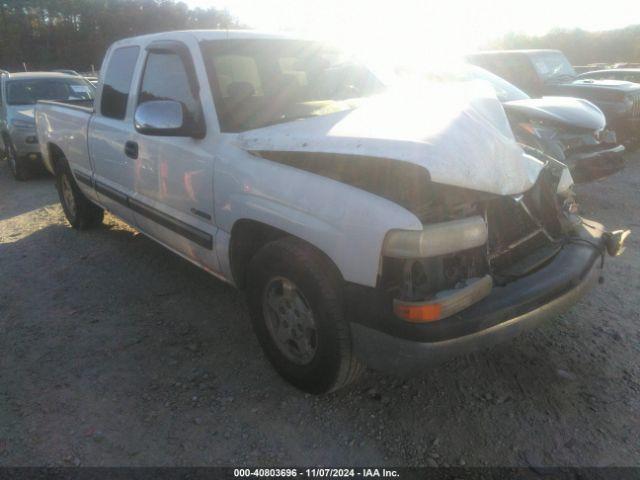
{"points": [[368, 226]]}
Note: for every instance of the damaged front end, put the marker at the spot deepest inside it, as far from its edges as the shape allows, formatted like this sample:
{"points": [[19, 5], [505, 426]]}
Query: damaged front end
{"points": [[476, 242], [572, 131], [493, 216]]}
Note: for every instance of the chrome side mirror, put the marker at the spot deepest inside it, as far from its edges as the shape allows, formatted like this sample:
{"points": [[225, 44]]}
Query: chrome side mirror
{"points": [[161, 117]]}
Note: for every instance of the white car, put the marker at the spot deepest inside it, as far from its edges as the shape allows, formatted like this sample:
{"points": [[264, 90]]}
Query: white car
{"points": [[19, 93], [375, 227]]}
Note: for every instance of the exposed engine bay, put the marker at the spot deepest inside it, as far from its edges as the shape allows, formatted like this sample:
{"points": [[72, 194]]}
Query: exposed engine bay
{"points": [[525, 232]]}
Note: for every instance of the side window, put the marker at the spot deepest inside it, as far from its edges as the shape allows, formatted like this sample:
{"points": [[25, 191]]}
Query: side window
{"points": [[165, 78], [117, 82]]}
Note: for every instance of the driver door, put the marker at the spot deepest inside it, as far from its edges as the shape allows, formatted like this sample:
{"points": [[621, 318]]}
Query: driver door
{"points": [[173, 200]]}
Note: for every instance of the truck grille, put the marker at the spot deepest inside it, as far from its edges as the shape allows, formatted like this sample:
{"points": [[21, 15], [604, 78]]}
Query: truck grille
{"points": [[523, 229]]}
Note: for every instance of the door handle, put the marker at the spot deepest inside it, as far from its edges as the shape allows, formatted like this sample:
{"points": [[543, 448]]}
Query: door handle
{"points": [[131, 150]]}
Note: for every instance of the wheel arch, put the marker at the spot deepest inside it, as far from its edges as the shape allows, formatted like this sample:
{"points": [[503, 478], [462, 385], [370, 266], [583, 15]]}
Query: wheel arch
{"points": [[248, 236], [54, 158]]}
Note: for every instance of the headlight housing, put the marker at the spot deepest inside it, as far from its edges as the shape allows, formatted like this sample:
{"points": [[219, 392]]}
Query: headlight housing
{"points": [[436, 239]]}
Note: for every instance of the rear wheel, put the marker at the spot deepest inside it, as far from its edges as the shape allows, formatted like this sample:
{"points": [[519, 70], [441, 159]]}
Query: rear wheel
{"points": [[295, 301], [81, 213], [17, 165]]}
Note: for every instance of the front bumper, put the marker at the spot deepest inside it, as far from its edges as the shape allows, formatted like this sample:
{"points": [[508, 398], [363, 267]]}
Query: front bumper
{"points": [[22, 139], [595, 162], [627, 130], [387, 343]]}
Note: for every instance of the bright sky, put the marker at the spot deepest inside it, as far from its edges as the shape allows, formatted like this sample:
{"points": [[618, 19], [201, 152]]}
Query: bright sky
{"points": [[402, 30]]}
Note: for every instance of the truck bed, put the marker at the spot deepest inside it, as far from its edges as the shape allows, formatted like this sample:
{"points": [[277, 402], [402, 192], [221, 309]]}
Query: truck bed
{"points": [[64, 124]]}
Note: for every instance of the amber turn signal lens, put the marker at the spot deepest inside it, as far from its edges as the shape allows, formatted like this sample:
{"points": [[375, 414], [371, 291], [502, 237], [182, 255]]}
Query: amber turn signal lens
{"points": [[419, 313]]}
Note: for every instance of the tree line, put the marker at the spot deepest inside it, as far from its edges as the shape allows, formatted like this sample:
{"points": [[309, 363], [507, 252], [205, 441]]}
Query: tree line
{"points": [[580, 46], [47, 34]]}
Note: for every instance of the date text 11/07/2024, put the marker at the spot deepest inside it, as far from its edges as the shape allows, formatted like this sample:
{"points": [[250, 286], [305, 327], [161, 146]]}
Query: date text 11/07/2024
{"points": [[317, 472]]}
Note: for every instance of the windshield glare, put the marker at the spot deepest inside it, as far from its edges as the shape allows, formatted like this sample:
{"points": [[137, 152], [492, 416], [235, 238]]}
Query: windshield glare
{"points": [[553, 65], [262, 82], [28, 92]]}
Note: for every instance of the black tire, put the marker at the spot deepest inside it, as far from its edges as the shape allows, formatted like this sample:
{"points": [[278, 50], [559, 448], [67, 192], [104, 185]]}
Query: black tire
{"points": [[19, 168], [333, 364], [81, 213]]}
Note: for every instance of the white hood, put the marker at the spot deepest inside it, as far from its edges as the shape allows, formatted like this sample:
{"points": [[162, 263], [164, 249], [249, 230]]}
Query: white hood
{"points": [[460, 135]]}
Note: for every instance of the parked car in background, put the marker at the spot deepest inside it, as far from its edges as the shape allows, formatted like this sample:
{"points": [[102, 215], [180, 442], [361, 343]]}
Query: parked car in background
{"points": [[19, 93], [571, 130], [390, 228], [548, 72], [625, 74], [68, 72], [584, 68], [89, 77], [626, 65]]}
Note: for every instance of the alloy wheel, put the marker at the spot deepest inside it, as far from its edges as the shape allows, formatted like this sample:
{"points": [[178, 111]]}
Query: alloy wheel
{"points": [[290, 320], [67, 194]]}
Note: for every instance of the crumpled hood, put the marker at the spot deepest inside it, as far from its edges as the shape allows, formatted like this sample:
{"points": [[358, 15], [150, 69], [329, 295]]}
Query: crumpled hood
{"points": [[460, 135], [567, 111]]}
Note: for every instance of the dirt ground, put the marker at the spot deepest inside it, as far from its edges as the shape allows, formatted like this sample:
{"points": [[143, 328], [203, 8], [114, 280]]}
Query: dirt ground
{"points": [[114, 352]]}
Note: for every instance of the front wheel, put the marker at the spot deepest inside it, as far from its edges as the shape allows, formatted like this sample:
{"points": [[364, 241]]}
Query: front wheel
{"points": [[19, 169], [81, 213], [295, 302]]}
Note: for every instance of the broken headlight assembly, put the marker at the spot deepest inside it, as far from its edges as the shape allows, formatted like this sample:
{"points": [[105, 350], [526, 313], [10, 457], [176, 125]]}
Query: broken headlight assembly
{"points": [[436, 239], [439, 270]]}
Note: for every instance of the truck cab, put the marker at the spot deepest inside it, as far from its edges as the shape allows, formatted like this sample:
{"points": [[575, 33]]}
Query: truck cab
{"points": [[367, 226]]}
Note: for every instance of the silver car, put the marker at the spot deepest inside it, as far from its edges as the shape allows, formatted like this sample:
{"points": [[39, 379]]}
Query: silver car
{"points": [[19, 93]]}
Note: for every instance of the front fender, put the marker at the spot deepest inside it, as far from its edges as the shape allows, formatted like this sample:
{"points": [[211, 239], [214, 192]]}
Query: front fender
{"points": [[344, 222]]}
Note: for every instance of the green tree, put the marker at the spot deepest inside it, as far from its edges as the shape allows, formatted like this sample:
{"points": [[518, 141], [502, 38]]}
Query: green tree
{"points": [[46, 34], [580, 46]]}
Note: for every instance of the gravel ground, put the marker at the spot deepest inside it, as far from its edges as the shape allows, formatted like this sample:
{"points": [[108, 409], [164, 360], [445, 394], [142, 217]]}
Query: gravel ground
{"points": [[114, 351]]}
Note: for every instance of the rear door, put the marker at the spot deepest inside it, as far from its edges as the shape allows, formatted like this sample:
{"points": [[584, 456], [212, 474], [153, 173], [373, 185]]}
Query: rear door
{"points": [[174, 181], [111, 134]]}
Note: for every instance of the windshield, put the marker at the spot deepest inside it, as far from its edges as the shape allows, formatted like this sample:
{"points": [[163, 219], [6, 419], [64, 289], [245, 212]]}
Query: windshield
{"points": [[29, 91], [553, 66], [504, 90], [262, 82]]}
